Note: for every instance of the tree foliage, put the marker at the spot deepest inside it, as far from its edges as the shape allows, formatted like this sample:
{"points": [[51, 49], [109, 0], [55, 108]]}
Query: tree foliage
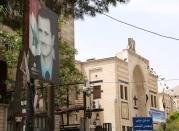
{"points": [[68, 72], [11, 13], [79, 8], [69, 75], [173, 121], [173, 116], [12, 10], [12, 44]]}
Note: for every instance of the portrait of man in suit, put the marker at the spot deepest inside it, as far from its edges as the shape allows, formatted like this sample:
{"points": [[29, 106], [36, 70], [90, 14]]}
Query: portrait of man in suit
{"points": [[46, 42], [44, 64]]}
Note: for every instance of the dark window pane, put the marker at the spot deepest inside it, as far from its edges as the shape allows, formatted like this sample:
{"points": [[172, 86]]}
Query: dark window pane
{"points": [[129, 128], [123, 128], [155, 104], [96, 92], [121, 91], [151, 100], [126, 93]]}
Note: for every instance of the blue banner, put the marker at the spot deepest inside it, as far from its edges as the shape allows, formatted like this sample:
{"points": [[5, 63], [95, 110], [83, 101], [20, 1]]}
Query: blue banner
{"points": [[142, 123], [158, 116]]}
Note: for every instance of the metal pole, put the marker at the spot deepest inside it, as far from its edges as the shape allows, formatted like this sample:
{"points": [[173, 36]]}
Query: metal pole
{"points": [[67, 105], [30, 106], [84, 102], [31, 85], [51, 108]]}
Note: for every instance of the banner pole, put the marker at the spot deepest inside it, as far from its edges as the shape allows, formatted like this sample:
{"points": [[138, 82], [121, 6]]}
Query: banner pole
{"points": [[50, 107], [30, 84]]}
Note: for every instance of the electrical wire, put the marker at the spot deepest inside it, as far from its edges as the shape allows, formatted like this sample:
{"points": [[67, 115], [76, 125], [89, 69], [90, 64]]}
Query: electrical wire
{"points": [[133, 82], [158, 34], [145, 81]]}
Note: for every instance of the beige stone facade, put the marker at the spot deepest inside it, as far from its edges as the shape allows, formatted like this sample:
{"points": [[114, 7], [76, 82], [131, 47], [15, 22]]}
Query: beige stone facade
{"points": [[166, 103], [128, 88], [174, 93], [170, 98], [67, 31]]}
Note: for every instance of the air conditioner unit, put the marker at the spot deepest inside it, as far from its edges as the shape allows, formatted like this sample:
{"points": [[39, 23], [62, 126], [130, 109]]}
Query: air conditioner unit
{"points": [[96, 104]]}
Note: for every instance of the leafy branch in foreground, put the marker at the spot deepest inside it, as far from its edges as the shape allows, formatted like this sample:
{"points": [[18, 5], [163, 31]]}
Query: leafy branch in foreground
{"points": [[12, 44], [68, 73]]}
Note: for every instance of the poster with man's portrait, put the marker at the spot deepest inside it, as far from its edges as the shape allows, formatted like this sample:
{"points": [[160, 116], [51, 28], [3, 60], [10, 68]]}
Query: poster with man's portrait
{"points": [[43, 43]]}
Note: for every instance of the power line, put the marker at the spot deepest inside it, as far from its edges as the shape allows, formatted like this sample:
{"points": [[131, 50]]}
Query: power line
{"points": [[143, 81], [169, 80], [166, 80], [158, 34], [83, 83]]}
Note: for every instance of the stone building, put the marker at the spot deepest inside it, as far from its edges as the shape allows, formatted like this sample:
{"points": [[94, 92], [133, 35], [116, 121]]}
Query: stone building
{"points": [[174, 93], [166, 103], [123, 87], [170, 100]]}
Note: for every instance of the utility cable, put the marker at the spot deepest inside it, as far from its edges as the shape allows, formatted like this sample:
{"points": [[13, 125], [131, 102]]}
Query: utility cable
{"points": [[83, 83], [158, 34]]}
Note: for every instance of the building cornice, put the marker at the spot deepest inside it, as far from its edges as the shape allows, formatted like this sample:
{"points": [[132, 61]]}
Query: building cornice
{"points": [[103, 60]]}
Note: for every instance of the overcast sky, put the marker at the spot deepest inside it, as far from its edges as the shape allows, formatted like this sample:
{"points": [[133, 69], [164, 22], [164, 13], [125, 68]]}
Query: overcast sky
{"points": [[102, 37]]}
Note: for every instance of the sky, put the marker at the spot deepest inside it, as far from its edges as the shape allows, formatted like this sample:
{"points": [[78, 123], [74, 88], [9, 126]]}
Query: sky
{"points": [[101, 37]]}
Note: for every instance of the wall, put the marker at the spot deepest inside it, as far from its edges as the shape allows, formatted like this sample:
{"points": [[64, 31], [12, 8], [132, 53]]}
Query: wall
{"points": [[67, 31]]}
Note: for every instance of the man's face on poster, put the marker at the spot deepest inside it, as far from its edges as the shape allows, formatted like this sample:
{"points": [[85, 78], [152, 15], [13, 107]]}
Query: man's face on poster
{"points": [[46, 39]]}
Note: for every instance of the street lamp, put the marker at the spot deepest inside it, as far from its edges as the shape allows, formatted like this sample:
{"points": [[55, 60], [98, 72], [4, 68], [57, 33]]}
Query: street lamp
{"points": [[87, 112]]}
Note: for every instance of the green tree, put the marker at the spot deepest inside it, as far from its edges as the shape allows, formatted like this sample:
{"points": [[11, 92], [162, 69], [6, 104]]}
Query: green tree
{"points": [[78, 8], [69, 75], [173, 121], [12, 44]]}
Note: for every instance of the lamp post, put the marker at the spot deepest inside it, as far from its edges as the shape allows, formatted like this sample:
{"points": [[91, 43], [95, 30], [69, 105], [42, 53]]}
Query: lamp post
{"points": [[87, 113], [84, 104], [30, 106]]}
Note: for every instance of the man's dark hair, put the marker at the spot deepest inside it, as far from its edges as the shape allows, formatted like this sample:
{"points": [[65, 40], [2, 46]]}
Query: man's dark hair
{"points": [[48, 14]]}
